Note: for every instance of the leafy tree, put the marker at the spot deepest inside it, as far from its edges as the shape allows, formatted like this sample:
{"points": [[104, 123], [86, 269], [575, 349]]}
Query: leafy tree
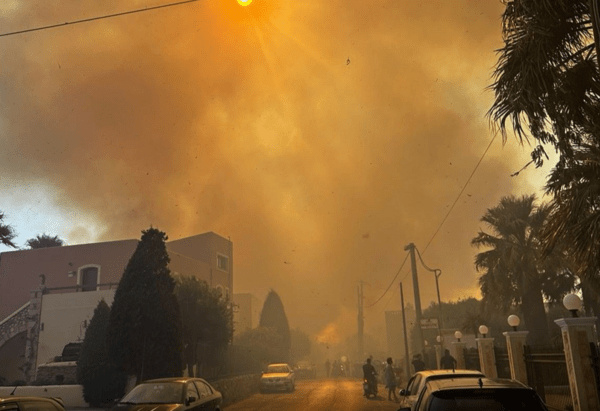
{"points": [[300, 345], [273, 316], [144, 334], [207, 319], [256, 346], [44, 241], [547, 86], [102, 381], [513, 270], [7, 233]]}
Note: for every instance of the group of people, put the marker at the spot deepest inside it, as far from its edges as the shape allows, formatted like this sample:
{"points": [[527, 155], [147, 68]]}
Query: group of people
{"points": [[447, 362], [389, 376]]}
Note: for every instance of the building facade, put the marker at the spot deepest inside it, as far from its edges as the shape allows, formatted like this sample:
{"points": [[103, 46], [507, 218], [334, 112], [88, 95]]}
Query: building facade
{"points": [[246, 312], [48, 295]]}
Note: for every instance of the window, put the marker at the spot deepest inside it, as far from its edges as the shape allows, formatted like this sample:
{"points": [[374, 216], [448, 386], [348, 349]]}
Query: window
{"points": [[203, 389], [222, 262], [192, 391], [89, 279]]}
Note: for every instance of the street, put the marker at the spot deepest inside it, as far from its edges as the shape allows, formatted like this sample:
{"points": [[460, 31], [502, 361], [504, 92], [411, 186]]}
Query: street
{"points": [[329, 394]]}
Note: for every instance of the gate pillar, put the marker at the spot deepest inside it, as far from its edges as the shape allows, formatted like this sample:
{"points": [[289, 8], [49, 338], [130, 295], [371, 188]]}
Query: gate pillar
{"points": [[577, 335], [458, 351], [487, 357], [515, 343]]}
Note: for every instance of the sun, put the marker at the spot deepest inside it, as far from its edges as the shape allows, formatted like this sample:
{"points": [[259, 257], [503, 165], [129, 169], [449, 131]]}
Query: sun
{"points": [[244, 2]]}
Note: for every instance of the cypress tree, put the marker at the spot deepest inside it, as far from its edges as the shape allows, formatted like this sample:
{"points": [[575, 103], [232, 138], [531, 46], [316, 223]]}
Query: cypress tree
{"points": [[102, 381], [144, 336], [273, 316]]}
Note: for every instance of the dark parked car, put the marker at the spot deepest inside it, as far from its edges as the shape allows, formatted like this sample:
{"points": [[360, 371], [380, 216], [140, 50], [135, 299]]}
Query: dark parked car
{"points": [[304, 369], [13, 403], [471, 394], [172, 394]]}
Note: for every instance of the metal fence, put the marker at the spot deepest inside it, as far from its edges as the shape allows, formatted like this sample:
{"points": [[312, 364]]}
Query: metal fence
{"points": [[547, 374], [502, 362], [472, 359]]}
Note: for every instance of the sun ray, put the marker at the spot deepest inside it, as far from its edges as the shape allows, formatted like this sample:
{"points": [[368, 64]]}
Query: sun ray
{"points": [[271, 66], [303, 46]]}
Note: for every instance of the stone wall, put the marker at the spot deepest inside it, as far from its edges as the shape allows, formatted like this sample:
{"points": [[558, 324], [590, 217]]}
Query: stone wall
{"points": [[57, 373], [237, 388]]}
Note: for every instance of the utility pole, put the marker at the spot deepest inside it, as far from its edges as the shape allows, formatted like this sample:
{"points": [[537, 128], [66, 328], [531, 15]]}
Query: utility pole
{"points": [[361, 321], [413, 262], [405, 334]]}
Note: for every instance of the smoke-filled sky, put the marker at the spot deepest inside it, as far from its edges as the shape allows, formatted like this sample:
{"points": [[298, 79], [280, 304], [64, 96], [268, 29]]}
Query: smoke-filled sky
{"points": [[320, 136]]}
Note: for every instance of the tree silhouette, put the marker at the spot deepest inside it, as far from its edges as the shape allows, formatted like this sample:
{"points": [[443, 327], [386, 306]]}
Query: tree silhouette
{"points": [[44, 241], [144, 335], [7, 233], [102, 381], [514, 272], [207, 319], [273, 316]]}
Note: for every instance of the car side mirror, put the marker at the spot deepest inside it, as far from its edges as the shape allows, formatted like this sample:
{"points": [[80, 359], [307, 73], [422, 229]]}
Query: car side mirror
{"points": [[403, 392], [190, 400]]}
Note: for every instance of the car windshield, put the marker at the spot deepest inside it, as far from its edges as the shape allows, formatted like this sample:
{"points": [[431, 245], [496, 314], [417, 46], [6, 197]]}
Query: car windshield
{"points": [[484, 399], [155, 393], [277, 369]]}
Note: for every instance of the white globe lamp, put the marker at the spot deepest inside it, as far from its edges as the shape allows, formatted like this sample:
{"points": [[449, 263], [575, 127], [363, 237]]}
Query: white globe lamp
{"points": [[514, 321], [572, 302]]}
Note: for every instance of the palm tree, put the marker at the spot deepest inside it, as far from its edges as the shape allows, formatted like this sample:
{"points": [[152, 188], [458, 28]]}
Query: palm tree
{"points": [[513, 270], [547, 78], [547, 85], [7, 233]]}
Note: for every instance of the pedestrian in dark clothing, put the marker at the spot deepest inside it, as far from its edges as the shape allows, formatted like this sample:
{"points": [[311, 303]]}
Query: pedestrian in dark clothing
{"points": [[447, 362], [327, 368], [418, 363]]}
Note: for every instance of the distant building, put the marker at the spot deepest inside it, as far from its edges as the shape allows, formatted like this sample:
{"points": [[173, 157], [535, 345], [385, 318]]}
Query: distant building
{"points": [[48, 295], [246, 314], [395, 332]]}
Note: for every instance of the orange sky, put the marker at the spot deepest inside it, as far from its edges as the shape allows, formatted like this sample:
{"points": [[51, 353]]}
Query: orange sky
{"points": [[320, 136]]}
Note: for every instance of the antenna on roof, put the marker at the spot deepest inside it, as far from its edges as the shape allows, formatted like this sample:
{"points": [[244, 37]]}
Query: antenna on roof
{"points": [[480, 383]]}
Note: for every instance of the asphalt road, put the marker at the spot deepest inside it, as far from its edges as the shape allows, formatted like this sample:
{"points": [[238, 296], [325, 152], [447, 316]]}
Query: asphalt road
{"points": [[312, 395]]}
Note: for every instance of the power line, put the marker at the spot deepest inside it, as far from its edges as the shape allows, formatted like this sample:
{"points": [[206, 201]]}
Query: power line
{"points": [[107, 16], [433, 270], [441, 224], [392, 283], [460, 193]]}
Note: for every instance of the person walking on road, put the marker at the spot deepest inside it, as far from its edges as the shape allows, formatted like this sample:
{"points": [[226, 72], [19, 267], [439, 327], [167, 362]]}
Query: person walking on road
{"points": [[447, 362], [390, 380], [418, 363]]}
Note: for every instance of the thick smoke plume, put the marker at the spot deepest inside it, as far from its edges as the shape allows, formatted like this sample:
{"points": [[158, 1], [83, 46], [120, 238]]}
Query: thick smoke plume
{"points": [[320, 136]]}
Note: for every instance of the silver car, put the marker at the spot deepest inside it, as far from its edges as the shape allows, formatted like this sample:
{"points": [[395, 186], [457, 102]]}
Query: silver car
{"points": [[278, 377]]}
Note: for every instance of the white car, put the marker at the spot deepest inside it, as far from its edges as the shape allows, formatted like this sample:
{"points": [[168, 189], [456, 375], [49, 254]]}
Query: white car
{"points": [[409, 395], [278, 377]]}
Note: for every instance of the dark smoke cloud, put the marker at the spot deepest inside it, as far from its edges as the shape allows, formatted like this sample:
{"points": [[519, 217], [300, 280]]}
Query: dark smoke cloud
{"points": [[322, 137]]}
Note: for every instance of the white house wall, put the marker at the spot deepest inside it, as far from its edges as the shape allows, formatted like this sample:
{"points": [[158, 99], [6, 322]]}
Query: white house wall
{"points": [[64, 318]]}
